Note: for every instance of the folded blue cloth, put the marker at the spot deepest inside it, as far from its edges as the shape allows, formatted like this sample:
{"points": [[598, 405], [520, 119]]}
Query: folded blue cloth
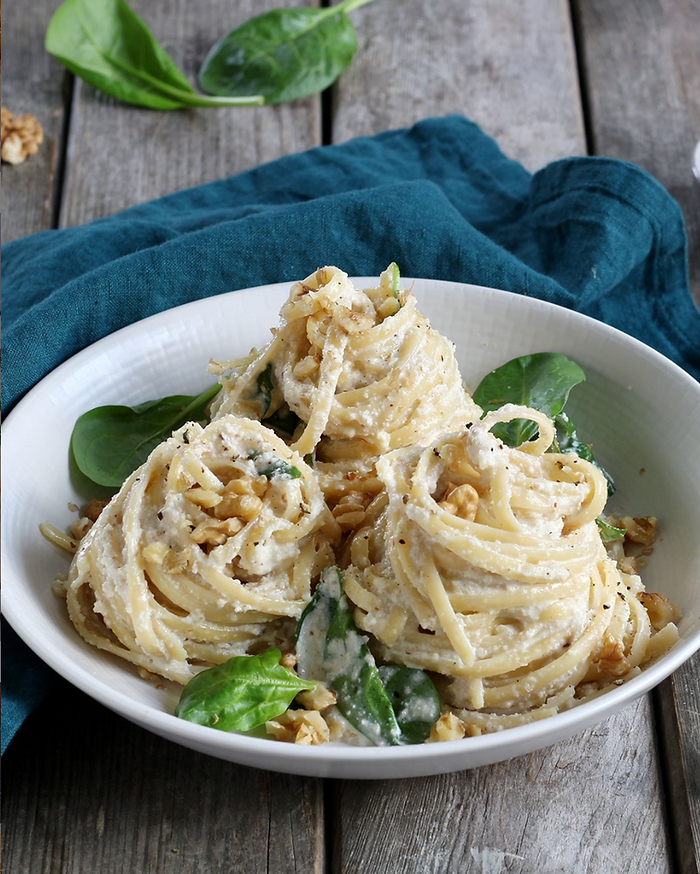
{"points": [[593, 234]]}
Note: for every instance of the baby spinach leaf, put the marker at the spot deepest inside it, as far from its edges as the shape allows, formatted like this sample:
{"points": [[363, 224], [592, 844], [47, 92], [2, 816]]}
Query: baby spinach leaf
{"points": [[277, 467], [284, 54], [330, 647], [270, 467], [415, 701], [110, 47], [265, 388], [567, 440], [395, 278], [281, 419], [542, 381], [609, 532], [108, 443], [240, 694]]}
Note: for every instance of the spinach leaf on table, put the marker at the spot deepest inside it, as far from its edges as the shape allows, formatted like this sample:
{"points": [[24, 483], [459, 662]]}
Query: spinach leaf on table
{"points": [[108, 443], [110, 47], [242, 693], [284, 54], [388, 705]]}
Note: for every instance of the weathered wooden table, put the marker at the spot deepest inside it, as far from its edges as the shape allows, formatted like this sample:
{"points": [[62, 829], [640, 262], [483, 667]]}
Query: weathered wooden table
{"points": [[85, 791]]}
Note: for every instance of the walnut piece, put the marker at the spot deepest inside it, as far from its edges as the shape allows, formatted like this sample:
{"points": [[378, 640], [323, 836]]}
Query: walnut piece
{"points": [[318, 698], [611, 658], [448, 727], [299, 727], [661, 611], [289, 660], [349, 512], [462, 501], [94, 507], [640, 529], [20, 136]]}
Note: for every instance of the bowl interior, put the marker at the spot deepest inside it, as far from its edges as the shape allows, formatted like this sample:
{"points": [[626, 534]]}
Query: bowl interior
{"points": [[638, 410]]}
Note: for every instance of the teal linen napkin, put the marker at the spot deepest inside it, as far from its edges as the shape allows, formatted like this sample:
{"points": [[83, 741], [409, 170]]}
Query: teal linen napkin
{"points": [[592, 234]]}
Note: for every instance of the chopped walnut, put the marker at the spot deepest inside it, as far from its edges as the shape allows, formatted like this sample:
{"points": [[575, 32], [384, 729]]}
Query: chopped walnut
{"points": [[6, 119], [94, 508], [58, 587], [628, 564], [639, 530], [349, 512], [350, 321], [80, 527], [216, 532], [661, 611], [242, 498], [175, 561], [389, 307], [611, 658], [462, 501], [20, 136], [205, 498], [289, 660], [299, 727], [318, 698], [304, 368], [448, 727]]}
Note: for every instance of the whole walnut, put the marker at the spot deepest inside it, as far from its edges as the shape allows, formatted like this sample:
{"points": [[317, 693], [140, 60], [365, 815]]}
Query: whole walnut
{"points": [[20, 136]]}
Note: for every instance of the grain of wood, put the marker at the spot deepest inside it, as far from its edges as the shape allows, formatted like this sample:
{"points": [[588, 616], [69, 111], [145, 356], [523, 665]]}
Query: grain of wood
{"points": [[588, 804], [642, 80], [34, 83], [642, 63], [84, 791], [678, 715], [409, 65], [509, 66], [152, 153]]}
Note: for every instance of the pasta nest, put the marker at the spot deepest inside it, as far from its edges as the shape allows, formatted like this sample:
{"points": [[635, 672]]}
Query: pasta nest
{"points": [[484, 564], [208, 550], [363, 369]]}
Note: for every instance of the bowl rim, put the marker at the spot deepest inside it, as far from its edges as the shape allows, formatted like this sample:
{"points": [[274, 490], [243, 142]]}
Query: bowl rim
{"points": [[325, 759]]}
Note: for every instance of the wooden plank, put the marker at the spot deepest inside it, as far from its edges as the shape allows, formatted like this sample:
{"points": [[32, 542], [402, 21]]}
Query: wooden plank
{"points": [[508, 66], [642, 62], [100, 794], [678, 712], [151, 154], [32, 83], [84, 791], [588, 804], [511, 68], [536, 117], [643, 94]]}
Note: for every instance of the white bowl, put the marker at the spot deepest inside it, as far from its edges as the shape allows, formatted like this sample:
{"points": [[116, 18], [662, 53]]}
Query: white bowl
{"points": [[641, 412]]}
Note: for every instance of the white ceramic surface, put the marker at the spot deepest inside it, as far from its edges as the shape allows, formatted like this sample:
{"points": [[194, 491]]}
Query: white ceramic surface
{"points": [[641, 412]]}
